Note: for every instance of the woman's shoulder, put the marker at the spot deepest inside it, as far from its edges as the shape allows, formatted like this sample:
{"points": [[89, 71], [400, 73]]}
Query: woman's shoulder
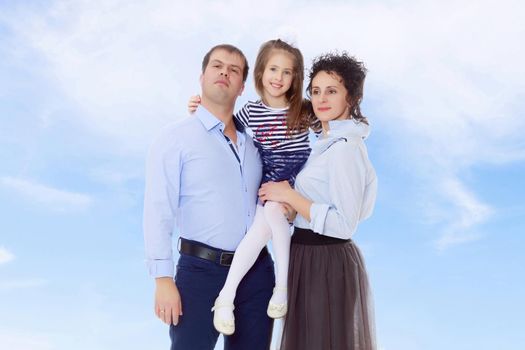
{"points": [[346, 147]]}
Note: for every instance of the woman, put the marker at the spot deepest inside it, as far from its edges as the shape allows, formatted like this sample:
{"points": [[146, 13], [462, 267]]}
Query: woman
{"points": [[329, 301]]}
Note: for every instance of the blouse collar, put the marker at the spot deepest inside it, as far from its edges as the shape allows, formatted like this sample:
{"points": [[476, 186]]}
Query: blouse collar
{"points": [[341, 129]]}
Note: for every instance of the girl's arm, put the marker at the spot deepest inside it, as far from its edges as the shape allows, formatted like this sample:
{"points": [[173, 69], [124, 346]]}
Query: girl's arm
{"points": [[193, 103]]}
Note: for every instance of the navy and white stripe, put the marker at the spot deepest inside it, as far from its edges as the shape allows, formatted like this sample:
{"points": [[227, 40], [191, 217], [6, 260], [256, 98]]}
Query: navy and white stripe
{"points": [[283, 153]]}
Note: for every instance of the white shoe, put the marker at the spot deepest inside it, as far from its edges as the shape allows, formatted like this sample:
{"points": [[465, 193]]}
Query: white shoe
{"points": [[226, 327], [277, 310]]}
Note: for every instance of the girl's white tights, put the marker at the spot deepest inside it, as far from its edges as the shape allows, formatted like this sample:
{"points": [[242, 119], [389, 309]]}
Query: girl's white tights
{"points": [[269, 222]]}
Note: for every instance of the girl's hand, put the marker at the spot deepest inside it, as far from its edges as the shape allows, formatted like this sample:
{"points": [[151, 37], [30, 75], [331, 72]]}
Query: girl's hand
{"points": [[193, 103], [275, 191]]}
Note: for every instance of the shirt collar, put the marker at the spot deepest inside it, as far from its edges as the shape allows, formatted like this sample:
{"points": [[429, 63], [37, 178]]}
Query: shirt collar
{"points": [[210, 121], [341, 129], [349, 127]]}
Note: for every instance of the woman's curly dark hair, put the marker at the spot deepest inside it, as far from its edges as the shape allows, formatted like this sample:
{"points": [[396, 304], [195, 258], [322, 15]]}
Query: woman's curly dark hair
{"points": [[352, 73]]}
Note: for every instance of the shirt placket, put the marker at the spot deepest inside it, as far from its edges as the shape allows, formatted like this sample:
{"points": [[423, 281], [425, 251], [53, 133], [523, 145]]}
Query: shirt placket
{"points": [[238, 152]]}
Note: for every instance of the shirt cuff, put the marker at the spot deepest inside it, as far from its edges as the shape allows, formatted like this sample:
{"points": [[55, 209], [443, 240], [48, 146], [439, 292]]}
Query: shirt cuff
{"points": [[160, 268], [318, 213]]}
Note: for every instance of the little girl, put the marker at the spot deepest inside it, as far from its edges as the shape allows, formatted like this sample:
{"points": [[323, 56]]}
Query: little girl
{"points": [[279, 122]]}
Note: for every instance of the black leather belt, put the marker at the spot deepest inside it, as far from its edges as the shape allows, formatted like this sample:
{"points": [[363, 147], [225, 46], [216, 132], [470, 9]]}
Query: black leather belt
{"points": [[309, 237], [219, 256]]}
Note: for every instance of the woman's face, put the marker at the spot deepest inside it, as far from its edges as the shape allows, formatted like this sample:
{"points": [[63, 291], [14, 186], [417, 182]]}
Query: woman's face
{"points": [[329, 96]]}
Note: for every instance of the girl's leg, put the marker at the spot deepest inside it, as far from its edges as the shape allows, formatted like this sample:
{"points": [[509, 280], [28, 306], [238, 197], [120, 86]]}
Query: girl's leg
{"points": [[245, 255], [280, 228]]}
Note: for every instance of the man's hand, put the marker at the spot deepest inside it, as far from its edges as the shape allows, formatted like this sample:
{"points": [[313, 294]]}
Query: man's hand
{"points": [[168, 305]]}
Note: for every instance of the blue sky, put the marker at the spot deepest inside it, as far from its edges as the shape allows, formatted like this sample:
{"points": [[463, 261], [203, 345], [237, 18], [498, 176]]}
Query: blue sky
{"points": [[85, 86]]}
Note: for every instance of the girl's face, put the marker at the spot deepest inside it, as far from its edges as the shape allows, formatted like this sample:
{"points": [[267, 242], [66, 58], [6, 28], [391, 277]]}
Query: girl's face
{"points": [[277, 76], [328, 97]]}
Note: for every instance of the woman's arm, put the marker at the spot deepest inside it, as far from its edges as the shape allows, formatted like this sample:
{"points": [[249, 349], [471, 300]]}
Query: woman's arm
{"points": [[347, 187], [347, 183]]}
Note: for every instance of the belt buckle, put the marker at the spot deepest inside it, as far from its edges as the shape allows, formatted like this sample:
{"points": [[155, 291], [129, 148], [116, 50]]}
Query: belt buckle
{"points": [[226, 259]]}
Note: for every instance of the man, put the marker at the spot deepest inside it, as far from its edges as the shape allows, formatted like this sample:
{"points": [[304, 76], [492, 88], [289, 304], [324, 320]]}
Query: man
{"points": [[202, 175]]}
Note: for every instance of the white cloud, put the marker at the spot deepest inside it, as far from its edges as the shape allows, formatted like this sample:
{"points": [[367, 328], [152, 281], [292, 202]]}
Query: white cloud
{"points": [[52, 198], [22, 284], [114, 177], [465, 214], [5, 256], [18, 340]]}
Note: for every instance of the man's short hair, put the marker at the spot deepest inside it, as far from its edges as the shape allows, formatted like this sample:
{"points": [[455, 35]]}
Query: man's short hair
{"points": [[231, 49]]}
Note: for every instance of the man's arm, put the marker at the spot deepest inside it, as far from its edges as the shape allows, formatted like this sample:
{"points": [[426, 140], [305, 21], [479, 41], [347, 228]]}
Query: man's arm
{"points": [[160, 203]]}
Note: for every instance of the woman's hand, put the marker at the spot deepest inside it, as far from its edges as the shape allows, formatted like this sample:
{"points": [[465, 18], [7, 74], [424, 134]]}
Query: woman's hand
{"points": [[275, 191], [193, 103], [289, 212]]}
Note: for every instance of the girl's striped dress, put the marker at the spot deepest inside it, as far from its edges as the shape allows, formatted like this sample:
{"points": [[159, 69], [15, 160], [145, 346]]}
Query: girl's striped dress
{"points": [[283, 153]]}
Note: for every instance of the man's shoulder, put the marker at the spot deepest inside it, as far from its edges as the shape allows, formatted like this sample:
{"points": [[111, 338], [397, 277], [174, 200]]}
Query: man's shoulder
{"points": [[180, 127], [175, 132]]}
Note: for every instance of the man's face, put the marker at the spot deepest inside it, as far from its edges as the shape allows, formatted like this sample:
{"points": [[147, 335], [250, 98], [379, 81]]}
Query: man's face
{"points": [[222, 79]]}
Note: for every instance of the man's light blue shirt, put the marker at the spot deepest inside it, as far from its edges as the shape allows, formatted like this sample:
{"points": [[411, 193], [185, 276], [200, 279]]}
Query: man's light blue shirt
{"points": [[195, 184]]}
